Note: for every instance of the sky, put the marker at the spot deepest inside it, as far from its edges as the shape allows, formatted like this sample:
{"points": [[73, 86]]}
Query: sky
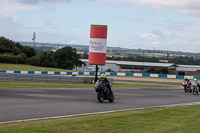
{"points": [[145, 24]]}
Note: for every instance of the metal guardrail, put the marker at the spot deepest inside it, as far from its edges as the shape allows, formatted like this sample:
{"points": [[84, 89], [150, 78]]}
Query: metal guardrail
{"points": [[8, 77]]}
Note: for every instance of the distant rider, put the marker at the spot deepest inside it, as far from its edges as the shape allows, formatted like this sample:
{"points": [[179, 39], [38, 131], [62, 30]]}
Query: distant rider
{"points": [[106, 81], [187, 80], [197, 83]]}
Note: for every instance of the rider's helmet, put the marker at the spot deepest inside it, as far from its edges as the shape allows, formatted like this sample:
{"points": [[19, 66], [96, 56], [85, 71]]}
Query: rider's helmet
{"points": [[195, 79], [185, 78], [102, 76]]}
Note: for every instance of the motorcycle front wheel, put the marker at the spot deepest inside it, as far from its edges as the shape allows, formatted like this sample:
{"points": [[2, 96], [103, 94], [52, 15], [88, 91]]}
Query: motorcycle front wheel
{"points": [[195, 91], [185, 89], [100, 96]]}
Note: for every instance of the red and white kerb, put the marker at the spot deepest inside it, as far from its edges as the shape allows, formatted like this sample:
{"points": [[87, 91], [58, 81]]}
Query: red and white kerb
{"points": [[98, 41]]}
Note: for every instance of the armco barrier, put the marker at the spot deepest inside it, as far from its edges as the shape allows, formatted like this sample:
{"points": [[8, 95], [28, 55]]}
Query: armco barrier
{"points": [[93, 73], [16, 77]]}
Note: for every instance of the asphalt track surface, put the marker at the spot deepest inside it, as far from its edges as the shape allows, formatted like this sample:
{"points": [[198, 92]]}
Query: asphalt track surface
{"points": [[31, 103], [147, 83]]}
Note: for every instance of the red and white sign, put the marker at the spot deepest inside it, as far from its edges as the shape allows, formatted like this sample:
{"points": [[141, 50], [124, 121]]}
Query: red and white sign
{"points": [[98, 42]]}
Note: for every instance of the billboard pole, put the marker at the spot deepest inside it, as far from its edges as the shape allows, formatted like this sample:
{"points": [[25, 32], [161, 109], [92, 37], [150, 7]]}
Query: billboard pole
{"points": [[97, 48], [95, 80]]}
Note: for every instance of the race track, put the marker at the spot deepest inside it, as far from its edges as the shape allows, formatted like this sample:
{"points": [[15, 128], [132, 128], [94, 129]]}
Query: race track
{"points": [[31, 103]]}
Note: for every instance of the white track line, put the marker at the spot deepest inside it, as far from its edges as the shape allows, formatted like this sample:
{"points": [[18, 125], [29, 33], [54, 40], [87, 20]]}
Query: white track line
{"points": [[67, 116]]}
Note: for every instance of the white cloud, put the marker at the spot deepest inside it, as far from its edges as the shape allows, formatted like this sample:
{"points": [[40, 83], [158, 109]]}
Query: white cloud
{"points": [[190, 7], [53, 23], [148, 36], [177, 37], [31, 2], [155, 43], [73, 42], [8, 7]]}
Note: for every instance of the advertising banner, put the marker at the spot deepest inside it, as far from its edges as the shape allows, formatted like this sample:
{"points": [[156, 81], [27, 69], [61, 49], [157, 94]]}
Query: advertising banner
{"points": [[97, 45]]}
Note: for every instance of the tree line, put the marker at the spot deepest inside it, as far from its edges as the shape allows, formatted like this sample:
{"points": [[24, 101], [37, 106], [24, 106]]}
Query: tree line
{"points": [[176, 60], [12, 52]]}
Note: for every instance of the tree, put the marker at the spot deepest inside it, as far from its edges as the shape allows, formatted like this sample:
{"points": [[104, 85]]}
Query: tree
{"points": [[30, 52], [151, 70], [16, 50], [11, 52], [67, 58]]}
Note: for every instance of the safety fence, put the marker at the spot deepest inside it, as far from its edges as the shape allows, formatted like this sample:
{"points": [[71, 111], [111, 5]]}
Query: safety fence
{"points": [[107, 73]]}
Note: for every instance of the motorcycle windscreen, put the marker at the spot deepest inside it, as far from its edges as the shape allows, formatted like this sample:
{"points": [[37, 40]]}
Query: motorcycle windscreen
{"points": [[98, 84]]}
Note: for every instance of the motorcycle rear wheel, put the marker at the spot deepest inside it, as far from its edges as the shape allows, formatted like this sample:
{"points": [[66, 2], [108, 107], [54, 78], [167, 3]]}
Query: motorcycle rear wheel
{"points": [[190, 90]]}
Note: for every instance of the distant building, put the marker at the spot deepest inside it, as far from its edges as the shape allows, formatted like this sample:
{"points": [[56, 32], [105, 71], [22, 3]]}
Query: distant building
{"points": [[129, 66]]}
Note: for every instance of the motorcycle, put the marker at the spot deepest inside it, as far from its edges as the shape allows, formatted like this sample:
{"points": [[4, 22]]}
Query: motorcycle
{"points": [[103, 93], [194, 85], [187, 87]]}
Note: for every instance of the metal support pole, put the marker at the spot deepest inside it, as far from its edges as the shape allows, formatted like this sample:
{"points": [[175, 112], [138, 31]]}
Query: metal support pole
{"points": [[33, 44], [96, 73], [143, 63]]}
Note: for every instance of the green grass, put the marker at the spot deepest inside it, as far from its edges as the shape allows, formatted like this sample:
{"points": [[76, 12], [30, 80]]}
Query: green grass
{"points": [[149, 120], [22, 67], [67, 85], [42, 85]]}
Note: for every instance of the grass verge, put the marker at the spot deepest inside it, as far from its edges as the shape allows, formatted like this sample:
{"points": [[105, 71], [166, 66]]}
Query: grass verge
{"points": [[149, 120], [22, 67], [62, 85]]}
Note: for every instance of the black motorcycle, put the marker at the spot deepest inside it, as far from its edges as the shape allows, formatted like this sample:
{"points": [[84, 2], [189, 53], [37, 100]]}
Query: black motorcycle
{"points": [[103, 93], [187, 87]]}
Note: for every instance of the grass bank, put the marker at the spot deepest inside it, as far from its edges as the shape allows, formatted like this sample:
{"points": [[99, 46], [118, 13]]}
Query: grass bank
{"points": [[22, 67], [62, 85], [148, 120]]}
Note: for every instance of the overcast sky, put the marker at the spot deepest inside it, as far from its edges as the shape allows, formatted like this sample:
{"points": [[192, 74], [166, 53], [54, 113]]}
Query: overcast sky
{"points": [[146, 24]]}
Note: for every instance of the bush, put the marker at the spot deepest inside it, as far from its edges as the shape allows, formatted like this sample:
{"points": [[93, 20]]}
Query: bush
{"points": [[34, 61], [162, 70], [109, 70], [9, 58]]}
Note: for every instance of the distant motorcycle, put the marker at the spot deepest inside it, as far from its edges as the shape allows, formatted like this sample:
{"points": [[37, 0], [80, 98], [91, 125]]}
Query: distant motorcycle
{"points": [[103, 93], [187, 87], [194, 90]]}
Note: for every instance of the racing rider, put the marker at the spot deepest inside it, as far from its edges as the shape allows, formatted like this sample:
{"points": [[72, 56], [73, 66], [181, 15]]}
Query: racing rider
{"points": [[187, 80], [197, 83], [105, 80]]}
